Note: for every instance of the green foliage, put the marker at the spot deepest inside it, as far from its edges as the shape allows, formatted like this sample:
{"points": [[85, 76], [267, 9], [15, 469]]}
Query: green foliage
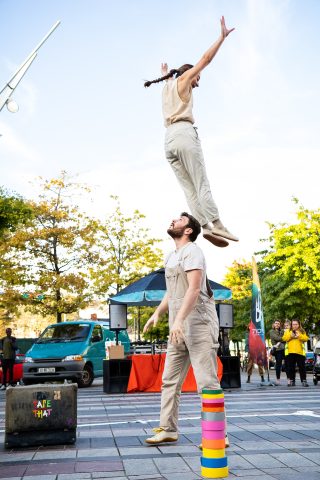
{"points": [[126, 251], [239, 279], [14, 211], [50, 255], [61, 259], [290, 270]]}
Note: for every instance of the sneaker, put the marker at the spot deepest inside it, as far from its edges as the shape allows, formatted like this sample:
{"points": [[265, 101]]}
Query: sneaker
{"points": [[220, 230], [305, 384], [3, 387], [214, 239], [162, 436]]}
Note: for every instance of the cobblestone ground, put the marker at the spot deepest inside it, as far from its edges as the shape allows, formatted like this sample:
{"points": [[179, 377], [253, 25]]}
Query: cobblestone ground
{"points": [[274, 434]]}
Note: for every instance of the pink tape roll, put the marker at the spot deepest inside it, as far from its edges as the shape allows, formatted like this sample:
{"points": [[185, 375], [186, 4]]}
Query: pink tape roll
{"points": [[213, 400], [213, 435], [207, 425]]}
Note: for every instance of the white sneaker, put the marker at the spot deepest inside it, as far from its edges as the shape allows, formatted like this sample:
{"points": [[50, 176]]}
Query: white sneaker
{"points": [[3, 387], [220, 230], [162, 436]]}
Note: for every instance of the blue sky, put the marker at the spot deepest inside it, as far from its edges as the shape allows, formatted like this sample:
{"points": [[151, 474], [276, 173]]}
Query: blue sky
{"points": [[83, 107]]}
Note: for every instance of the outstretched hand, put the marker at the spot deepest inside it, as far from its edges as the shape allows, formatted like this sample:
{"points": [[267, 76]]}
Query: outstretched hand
{"points": [[164, 69], [152, 322], [224, 30]]}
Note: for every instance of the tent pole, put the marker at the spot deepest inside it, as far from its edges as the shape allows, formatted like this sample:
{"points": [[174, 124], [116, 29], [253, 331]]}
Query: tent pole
{"points": [[138, 323]]}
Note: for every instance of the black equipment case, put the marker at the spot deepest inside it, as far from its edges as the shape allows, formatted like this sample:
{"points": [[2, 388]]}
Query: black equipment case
{"points": [[41, 415]]}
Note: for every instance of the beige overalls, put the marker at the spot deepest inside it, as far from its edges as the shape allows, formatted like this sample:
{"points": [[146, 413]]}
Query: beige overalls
{"points": [[201, 330]]}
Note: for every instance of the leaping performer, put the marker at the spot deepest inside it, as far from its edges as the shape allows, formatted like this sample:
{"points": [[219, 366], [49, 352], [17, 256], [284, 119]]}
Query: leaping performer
{"points": [[182, 143]]}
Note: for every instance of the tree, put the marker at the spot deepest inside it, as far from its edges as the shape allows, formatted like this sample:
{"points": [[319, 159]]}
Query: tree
{"points": [[290, 270], [14, 211], [239, 280], [48, 260], [126, 251]]}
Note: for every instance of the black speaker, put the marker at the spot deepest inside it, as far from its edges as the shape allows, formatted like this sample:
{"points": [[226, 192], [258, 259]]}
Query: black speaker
{"points": [[225, 314], [116, 375], [118, 317], [231, 372]]}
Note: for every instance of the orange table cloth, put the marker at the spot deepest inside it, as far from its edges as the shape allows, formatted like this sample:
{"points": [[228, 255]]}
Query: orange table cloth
{"points": [[146, 374]]}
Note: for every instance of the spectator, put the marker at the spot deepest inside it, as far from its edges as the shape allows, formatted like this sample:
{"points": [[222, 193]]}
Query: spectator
{"points": [[9, 348], [296, 338], [286, 326], [276, 334]]}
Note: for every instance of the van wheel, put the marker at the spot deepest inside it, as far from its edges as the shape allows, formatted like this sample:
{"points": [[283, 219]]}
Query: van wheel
{"points": [[28, 382], [87, 377]]}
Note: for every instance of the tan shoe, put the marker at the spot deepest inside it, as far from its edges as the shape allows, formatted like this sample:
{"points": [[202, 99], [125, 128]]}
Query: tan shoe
{"points": [[162, 436], [221, 231], [215, 239]]}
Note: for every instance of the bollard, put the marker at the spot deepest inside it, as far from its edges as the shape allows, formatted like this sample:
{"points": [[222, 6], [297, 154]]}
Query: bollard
{"points": [[214, 463]]}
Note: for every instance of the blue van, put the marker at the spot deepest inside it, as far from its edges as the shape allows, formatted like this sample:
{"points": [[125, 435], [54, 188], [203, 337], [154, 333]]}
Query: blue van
{"points": [[70, 351]]}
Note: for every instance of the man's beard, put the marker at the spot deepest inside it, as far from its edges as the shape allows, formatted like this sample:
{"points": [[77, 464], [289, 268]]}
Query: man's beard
{"points": [[176, 232]]}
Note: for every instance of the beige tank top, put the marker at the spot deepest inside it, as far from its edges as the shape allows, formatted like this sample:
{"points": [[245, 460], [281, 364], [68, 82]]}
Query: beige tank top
{"points": [[174, 109]]}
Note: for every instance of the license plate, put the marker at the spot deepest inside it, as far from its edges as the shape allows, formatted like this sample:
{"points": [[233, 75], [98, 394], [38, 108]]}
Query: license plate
{"points": [[46, 370]]}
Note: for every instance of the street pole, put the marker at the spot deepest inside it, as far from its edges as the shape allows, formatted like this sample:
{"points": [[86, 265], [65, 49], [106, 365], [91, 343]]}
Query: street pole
{"points": [[9, 88]]}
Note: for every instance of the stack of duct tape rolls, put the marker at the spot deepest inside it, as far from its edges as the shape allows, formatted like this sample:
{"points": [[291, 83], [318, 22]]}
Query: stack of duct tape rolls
{"points": [[214, 463]]}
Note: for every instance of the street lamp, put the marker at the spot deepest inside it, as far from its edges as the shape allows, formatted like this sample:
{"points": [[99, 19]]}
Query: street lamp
{"points": [[8, 89]]}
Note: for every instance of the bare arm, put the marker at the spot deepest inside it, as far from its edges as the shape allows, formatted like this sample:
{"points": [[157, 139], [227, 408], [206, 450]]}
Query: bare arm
{"points": [[190, 299], [184, 82], [160, 310]]}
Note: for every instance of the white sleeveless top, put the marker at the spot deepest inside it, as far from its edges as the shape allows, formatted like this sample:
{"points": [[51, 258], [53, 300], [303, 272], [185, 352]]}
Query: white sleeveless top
{"points": [[173, 108]]}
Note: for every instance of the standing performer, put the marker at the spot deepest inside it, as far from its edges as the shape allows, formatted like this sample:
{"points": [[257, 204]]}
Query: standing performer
{"points": [[182, 144], [193, 324]]}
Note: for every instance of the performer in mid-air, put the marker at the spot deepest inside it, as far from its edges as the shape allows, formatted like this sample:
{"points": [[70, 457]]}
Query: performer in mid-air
{"points": [[182, 144]]}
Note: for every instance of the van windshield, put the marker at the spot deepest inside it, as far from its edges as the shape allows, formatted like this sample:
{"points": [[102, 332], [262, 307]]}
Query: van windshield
{"points": [[64, 333]]}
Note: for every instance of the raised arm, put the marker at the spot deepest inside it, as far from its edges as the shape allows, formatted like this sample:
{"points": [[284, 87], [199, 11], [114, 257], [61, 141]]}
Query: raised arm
{"points": [[190, 75]]}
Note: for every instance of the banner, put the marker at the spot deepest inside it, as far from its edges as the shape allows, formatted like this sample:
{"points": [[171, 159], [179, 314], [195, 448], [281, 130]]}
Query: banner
{"points": [[257, 345]]}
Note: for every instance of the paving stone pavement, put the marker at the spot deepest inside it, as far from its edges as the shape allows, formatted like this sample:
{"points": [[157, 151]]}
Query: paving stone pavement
{"points": [[274, 434]]}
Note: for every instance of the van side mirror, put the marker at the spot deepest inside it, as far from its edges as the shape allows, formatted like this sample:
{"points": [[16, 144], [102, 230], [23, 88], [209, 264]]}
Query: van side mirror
{"points": [[96, 338]]}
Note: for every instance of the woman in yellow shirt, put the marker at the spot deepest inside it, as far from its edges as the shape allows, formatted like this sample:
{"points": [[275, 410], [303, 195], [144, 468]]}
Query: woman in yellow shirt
{"points": [[295, 338]]}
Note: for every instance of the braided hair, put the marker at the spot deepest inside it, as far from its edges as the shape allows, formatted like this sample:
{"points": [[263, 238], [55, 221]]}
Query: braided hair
{"points": [[177, 72]]}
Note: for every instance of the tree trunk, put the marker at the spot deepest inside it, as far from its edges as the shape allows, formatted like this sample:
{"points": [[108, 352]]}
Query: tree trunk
{"points": [[58, 298]]}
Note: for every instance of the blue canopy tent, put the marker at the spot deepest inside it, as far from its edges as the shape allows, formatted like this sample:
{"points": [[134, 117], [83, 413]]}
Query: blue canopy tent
{"points": [[150, 290]]}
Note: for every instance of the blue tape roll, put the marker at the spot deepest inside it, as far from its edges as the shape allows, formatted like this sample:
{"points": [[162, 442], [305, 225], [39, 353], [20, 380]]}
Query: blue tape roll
{"points": [[214, 462]]}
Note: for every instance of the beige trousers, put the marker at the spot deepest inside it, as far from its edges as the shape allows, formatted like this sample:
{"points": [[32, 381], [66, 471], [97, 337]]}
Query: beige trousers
{"points": [[184, 153], [199, 349]]}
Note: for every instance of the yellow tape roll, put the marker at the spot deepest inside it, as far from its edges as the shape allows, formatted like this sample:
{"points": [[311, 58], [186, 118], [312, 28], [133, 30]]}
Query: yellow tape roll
{"points": [[207, 395], [214, 472], [213, 453]]}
